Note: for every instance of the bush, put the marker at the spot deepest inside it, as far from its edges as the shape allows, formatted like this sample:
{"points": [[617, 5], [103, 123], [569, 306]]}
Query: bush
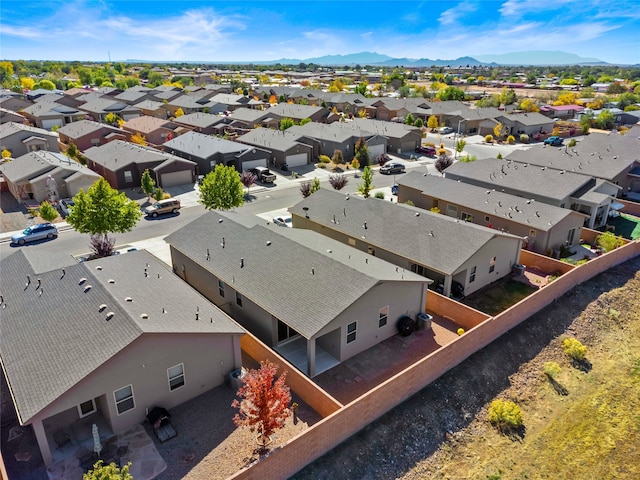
{"points": [[572, 143], [524, 138], [573, 348], [608, 241], [435, 210], [551, 369], [322, 165], [488, 138], [505, 414], [355, 163], [324, 159], [511, 139], [382, 158], [379, 195]]}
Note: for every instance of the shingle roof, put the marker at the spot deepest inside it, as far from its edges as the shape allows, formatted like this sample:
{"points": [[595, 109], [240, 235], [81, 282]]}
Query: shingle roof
{"points": [[517, 209], [11, 128], [85, 127], [55, 337], [436, 241], [274, 140], [117, 154], [334, 132], [203, 146], [284, 271], [293, 110], [198, 119], [33, 164], [387, 129]]}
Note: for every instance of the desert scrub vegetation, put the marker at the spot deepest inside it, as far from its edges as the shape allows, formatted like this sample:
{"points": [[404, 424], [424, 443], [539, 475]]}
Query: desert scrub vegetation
{"points": [[574, 348], [505, 415]]}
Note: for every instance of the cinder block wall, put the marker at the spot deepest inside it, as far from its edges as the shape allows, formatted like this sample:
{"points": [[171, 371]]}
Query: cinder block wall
{"points": [[543, 263], [458, 313]]}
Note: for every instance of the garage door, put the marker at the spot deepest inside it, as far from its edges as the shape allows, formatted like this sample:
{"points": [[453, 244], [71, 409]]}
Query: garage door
{"points": [[176, 178], [297, 160], [375, 150], [408, 146], [254, 163], [49, 124]]}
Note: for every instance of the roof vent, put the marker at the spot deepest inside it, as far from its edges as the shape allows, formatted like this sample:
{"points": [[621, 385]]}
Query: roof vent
{"points": [[102, 307], [87, 288], [99, 267], [82, 280], [111, 280], [128, 299], [242, 263], [417, 214], [109, 316], [220, 220]]}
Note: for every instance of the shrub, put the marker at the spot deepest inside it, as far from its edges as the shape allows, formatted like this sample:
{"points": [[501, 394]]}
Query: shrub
{"points": [[324, 159], [322, 165], [505, 414], [573, 348], [460, 331], [488, 138], [410, 203], [338, 181], [551, 369], [435, 210], [442, 151], [430, 144], [608, 241], [379, 195], [572, 143], [468, 158], [499, 156], [524, 138], [511, 139], [382, 158], [355, 163]]}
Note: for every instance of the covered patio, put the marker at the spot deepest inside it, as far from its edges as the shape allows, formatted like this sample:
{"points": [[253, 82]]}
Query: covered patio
{"points": [[295, 351]]}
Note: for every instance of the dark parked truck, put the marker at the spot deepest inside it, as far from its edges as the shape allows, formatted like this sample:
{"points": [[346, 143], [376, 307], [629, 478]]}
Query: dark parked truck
{"points": [[263, 174]]}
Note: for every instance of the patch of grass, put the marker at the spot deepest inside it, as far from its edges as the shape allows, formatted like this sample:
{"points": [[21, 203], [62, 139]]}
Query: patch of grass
{"points": [[627, 226], [499, 296]]}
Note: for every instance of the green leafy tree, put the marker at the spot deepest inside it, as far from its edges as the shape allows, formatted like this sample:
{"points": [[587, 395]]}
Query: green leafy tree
{"points": [[264, 401], [508, 96], [304, 121], [409, 119], [315, 185], [286, 123], [460, 144], [432, 122], [362, 152], [158, 194], [46, 84], [147, 183], [112, 119], [605, 120], [337, 158], [418, 123], [450, 93], [222, 189], [102, 210], [573, 348], [365, 187], [585, 123], [47, 212], [505, 415], [101, 471]]}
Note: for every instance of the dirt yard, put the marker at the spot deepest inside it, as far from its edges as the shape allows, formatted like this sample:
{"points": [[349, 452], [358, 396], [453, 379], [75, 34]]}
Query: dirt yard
{"points": [[442, 432]]}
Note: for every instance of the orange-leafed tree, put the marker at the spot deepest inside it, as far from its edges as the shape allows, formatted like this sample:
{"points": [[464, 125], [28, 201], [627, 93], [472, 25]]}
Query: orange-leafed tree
{"points": [[264, 401]]}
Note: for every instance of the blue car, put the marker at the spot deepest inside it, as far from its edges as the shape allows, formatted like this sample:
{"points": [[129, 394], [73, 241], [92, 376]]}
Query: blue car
{"points": [[36, 232], [553, 141]]}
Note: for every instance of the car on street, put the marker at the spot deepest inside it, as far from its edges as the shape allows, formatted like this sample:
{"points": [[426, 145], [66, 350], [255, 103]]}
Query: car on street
{"points": [[553, 141], [426, 150], [64, 206], [283, 221], [445, 130], [34, 233], [392, 167], [168, 205]]}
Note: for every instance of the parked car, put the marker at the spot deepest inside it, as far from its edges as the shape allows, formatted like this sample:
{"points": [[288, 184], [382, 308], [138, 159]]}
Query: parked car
{"points": [[36, 232], [169, 205], [445, 130], [283, 221], [64, 206], [426, 150], [553, 141], [263, 174], [392, 167]]}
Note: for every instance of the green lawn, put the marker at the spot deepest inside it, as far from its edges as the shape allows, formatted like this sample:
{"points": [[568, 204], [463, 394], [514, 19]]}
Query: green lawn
{"points": [[627, 226]]}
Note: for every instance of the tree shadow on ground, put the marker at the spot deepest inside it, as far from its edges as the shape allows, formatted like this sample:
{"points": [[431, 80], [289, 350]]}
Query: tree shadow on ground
{"points": [[558, 387]]}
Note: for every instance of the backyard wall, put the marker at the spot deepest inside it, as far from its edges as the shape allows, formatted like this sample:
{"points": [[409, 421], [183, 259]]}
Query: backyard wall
{"points": [[543, 263], [632, 208], [590, 236], [334, 429], [458, 313]]}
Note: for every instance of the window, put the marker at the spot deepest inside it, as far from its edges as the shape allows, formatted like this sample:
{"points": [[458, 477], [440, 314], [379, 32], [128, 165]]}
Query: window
{"points": [[176, 376], [352, 241], [419, 269], [351, 332], [472, 275], [95, 142], [128, 177], [124, 399], [285, 331], [532, 233], [212, 164], [87, 408], [383, 316], [492, 264], [452, 211], [238, 299], [487, 219], [221, 288], [466, 217], [571, 236]]}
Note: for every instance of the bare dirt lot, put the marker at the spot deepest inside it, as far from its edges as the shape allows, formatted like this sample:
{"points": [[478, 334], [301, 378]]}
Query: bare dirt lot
{"points": [[442, 431]]}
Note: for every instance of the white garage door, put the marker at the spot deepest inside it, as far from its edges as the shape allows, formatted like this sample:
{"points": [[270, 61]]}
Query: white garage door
{"points": [[176, 178], [375, 150], [254, 163], [297, 160]]}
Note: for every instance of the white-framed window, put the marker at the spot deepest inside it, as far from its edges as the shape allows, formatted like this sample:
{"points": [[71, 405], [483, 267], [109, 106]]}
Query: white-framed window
{"points": [[351, 332], [128, 176], [467, 217], [87, 408], [570, 236], [238, 299], [383, 316], [175, 375], [472, 274], [221, 288], [124, 399], [492, 264]]}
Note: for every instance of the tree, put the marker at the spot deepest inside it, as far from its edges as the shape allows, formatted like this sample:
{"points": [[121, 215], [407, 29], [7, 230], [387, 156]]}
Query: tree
{"points": [[409, 119], [286, 123], [305, 189], [315, 185], [366, 186], [6, 154], [508, 96], [528, 105], [362, 152], [585, 123], [432, 122], [450, 93], [179, 113], [608, 241], [499, 130], [46, 84], [460, 144], [139, 139], [605, 120], [247, 178], [265, 400], [101, 471], [112, 119], [418, 123], [27, 83], [147, 183], [338, 181], [337, 158], [443, 162], [505, 415], [304, 121], [100, 211], [158, 194], [222, 189], [47, 212]]}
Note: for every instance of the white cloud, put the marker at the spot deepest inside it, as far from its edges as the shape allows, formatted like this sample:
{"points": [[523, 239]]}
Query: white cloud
{"points": [[21, 32], [453, 15]]}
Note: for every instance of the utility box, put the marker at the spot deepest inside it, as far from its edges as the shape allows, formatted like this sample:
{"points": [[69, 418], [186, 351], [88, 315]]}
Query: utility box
{"points": [[424, 321], [518, 270], [235, 379]]}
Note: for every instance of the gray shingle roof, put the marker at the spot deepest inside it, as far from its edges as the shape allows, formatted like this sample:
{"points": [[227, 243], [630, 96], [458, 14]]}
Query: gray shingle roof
{"points": [[117, 154], [334, 132], [203, 146], [436, 241], [33, 164], [12, 128], [517, 209], [387, 129], [284, 271], [55, 337], [198, 119], [86, 127], [274, 140]]}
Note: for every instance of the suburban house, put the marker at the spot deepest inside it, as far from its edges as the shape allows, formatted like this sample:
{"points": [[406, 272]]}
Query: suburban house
{"points": [[562, 112], [327, 138], [200, 122], [152, 108], [436, 246], [155, 131], [99, 108], [608, 157], [245, 119], [524, 123], [38, 176], [298, 112], [400, 137], [284, 147], [190, 104], [49, 114], [7, 116], [275, 282], [13, 101], [103, 341], [135, 95], [231, 101], [122, 165], [545, 227], [19, 139], [207, 151], [87, 133], [561, 188]]}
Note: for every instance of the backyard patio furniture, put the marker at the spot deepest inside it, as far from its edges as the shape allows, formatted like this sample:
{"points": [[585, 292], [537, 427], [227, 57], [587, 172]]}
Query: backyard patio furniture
{"points": [[62, 439], [159, 418]]}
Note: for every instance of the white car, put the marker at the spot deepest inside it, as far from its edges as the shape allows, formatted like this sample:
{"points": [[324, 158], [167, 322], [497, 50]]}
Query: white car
{"points": [[283, 221], [445, 130]]}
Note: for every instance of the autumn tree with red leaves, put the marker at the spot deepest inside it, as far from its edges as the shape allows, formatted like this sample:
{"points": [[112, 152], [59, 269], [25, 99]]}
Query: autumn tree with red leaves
{"points": [[265, 399]]}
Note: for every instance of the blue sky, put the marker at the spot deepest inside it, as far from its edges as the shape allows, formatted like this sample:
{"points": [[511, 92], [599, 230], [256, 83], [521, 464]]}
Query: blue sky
{"points": [[231, 30]]}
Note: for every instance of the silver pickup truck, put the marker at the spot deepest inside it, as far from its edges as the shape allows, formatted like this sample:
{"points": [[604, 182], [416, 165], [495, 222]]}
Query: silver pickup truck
{"points": [[263, 174]]}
